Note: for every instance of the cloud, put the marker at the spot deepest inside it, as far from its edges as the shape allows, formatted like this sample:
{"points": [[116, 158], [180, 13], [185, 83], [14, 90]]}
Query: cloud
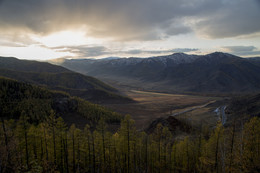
{"points": [[157, 52], [10, 44], [132, 20], [83, 51], [149, 52], [247, 54], [173, 28], [239, 48], [125, 20], [242, 50], [236, 18], [92, 51], [185, 50], [17, 39], [176, 30], [101, 51]]}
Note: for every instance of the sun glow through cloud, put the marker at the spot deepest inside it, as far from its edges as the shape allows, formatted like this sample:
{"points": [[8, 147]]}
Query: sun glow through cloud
{"points": [[33, 52], [66, 38]]}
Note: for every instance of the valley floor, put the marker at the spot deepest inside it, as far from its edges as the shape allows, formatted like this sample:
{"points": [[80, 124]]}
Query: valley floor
{"points": [[152, 105]]}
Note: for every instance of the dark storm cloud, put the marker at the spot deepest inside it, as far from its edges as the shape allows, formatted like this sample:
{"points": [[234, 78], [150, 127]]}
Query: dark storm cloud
{"points": [[133, 19]]}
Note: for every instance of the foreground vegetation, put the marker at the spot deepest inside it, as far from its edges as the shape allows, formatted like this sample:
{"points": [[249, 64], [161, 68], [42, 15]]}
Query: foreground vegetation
{"points": [[34, 138], [51, 146]]}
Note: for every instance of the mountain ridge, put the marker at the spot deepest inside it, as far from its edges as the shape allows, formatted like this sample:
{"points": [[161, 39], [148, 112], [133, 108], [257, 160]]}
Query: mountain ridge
{"points": [[212, 73], [59, 78]]}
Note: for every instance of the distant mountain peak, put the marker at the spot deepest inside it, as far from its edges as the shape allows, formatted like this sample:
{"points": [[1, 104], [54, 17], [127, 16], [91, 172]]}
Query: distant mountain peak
{"points": [[221, 54], [179, 53], [109, 58]]}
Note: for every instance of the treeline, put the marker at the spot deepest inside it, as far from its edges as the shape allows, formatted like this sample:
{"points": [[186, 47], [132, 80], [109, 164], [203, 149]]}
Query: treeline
{"points": [[51, 146]]}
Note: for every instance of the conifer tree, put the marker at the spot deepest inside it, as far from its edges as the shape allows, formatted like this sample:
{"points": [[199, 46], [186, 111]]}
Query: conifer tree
{"points": [[52, 123], [251, 143], [72, 137], [23, 127], [211, 150], [157, 137], [127, 132], [87, 137], [61, 128], [101, 128]]}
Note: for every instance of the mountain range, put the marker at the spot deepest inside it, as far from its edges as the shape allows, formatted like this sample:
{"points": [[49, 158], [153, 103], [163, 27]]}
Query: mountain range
{"points": [[177, 73], [59, 78]]}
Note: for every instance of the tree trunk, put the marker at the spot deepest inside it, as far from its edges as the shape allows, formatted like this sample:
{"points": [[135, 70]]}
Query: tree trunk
{"points": [[26, 144], [66, 153], [78, 158], [46, 145], [146, 153], [73, 153], [54, 143], [104, 150], [6, 142], [231, 149], [61, 154], [128, 146], [216, 153], [93, 156], [41, 149], [89, 153]]}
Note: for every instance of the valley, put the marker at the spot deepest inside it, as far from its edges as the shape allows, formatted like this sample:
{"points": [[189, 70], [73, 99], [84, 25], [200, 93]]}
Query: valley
{"points": [[145, 88], [64, 121], [150, 106]]}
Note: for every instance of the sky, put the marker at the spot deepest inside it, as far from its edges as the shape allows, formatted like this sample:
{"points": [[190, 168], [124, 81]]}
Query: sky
{"points": [[50, 29]]}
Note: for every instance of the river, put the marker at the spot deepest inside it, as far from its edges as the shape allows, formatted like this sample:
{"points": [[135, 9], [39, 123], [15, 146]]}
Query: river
{"points": [[220, 111]]}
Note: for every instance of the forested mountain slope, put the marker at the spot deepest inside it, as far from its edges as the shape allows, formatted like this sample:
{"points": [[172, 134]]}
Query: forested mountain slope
{"points": [[59, 78], [37, 103]]}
